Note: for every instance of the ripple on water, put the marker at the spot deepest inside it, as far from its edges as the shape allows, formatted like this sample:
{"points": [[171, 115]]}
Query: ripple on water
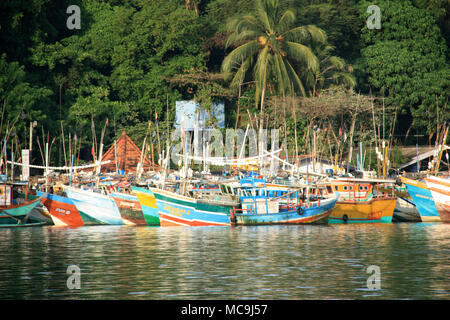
{"points": [[227, 263]]}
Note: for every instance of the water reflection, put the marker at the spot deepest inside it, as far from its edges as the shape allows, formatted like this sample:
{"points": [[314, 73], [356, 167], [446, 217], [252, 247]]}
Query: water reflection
{"points": [[263, 262]]}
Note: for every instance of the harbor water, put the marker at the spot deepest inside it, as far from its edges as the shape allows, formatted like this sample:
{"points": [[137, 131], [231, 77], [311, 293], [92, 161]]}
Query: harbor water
{"points": [[257, 262]]}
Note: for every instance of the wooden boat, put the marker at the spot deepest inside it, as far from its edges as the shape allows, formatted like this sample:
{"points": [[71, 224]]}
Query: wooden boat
{"points": [[100, 208], [423, 199], [63, 211], [405, 211], [129, 208], [269, 211], [264, 204], [359, 202], [178, 210], [147, 202], [39, 213], [15, 211], [440, 189]]}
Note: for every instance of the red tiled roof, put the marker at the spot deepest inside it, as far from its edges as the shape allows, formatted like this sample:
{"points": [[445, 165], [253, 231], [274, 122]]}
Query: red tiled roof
{"points": [[128, 156]]}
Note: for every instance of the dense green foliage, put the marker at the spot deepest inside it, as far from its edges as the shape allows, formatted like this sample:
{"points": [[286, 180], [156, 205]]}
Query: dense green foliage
{"points": [[407, 61], [132, 59]]}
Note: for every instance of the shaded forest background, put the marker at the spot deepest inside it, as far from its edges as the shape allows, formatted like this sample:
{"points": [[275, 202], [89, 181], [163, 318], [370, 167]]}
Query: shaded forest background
{"points": [[132, 59]]}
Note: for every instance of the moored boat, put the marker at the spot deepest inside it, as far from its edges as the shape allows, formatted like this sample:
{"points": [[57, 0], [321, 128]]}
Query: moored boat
{"points": [[129, 208], [405, 211], [62, 210], [147, 202], [15, 211], [360, 203], [423, 199], [314, 212], [178, 210], [265, 204], [99, 208], [440, 189]]}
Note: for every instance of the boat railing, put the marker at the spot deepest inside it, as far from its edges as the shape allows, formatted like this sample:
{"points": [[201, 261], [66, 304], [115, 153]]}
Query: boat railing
{"points": [[235, 210], [304, 205]]}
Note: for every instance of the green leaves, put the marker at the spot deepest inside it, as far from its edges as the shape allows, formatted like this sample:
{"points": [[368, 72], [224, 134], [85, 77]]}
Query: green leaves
{"points": [[22, 101], [406, 62], [268, 41]]}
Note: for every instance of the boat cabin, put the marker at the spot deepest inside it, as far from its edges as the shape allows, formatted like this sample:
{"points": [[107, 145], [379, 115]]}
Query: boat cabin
{"points": [[13, 194], [360, 189], [6, 195], [351, 191]]}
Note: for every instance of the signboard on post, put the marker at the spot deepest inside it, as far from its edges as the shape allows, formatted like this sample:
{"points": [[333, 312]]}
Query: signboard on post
{"points": [[26, 163]]}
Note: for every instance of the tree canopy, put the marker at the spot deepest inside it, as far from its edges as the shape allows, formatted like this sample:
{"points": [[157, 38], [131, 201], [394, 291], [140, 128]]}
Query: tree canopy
{"points": [[133, 59]]}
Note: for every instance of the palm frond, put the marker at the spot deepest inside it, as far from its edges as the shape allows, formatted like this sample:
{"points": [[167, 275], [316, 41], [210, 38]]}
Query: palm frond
{"points": [[308, 33], [296, 79], [300, 52], [235, 57]]}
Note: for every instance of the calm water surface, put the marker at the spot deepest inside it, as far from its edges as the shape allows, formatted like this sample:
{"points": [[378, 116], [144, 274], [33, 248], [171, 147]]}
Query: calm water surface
{"points": [[261, 262]]}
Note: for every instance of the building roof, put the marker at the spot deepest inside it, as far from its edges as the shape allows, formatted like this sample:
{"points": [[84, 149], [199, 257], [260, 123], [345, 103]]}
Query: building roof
{"points": [[421, 157], [127, 156]]}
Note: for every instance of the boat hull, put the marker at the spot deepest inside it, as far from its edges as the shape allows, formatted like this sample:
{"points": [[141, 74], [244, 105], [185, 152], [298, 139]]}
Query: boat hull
{"points": [[97, 208], [129, 208], [13, 213], [423, 199], [178, 210], [440, 190], [376, 210], [62, 210], [23, 225], [40, 212], [405, 211], [147, 202], [312, 214]]}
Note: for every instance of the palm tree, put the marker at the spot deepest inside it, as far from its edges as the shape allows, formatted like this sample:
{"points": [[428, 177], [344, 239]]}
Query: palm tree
{"points": [[332, 70], [267, 42]]}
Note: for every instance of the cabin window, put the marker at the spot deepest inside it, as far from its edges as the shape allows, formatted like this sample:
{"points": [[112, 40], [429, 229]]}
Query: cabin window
{"points": [[345, 188], [351, 187], [336, 188], [366, 188], [329, 189]]}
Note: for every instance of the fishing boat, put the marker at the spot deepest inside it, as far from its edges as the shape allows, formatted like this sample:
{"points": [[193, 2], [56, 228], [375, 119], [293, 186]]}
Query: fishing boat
{"points": [[423, 199], [440, 189], [405, 211], [261, 211], [15, 211], [39, 213], [129, 207], [147, 203], [63, 211], [100, 208], [175, 209], [359, 202], [263, 204]]}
